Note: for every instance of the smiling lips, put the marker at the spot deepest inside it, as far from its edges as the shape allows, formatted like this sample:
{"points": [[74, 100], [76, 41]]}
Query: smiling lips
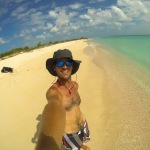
{"points": [[65, 71]]}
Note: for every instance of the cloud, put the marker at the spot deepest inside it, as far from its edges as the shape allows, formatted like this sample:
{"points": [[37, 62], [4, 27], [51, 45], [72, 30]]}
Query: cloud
{"points": [[85, 16], [75, 6], [96, 17], [53, 14], [37, 18], [40, 37], [48, 26], [63, 19], [2, 41], [43, 36], [30, 16], [119, 15], [19, 12], [125, 13], [54, 29], [137, 9], [95, 1], [76, 19], [59, 20]]}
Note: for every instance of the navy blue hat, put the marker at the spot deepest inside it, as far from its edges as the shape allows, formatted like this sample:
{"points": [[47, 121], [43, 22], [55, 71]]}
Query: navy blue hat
{"points": [[61, 54]]}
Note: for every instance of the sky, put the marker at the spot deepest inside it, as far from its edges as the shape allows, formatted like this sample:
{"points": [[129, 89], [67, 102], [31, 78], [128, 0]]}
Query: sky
{"points": [[28, 22]]}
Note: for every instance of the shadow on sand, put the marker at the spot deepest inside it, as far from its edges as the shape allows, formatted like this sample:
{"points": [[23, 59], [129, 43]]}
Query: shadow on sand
{"points": [[36, 134]]}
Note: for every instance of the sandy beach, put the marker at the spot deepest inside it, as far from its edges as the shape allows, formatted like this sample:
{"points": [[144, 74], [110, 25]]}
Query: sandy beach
{"points": [[117, 118], [23, 94]]}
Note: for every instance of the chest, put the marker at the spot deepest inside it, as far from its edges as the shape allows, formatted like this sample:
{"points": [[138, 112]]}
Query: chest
{"points": [[71, 100], [70, 97]]}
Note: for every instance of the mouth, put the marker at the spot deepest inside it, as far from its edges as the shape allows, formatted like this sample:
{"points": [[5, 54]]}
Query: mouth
{"points": [[65, 72]]}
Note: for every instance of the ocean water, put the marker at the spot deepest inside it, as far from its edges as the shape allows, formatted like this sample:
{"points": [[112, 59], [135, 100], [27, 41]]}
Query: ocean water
{"points": [[125, 64], [134, 47]]}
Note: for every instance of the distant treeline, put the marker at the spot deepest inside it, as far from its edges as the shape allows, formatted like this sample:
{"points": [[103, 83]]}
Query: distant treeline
{"points": [[16, 51]]}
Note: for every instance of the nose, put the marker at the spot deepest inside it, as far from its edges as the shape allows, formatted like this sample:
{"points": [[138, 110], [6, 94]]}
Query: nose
{"points": [[64, 66]]}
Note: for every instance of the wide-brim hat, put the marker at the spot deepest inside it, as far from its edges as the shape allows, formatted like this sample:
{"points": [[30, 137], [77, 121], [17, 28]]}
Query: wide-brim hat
{"points": [[61, 54]]}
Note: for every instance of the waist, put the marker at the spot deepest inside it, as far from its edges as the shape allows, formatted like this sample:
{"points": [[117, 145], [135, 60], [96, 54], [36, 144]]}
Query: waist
{"points": [[73, 127]]}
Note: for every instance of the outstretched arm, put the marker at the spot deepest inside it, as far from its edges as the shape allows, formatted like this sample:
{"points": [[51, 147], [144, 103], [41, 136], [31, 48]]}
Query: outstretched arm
{"points": [[52, 124]]}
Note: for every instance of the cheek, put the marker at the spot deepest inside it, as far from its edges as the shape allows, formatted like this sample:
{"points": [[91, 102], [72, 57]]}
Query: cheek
{"points": [[71, 69]]}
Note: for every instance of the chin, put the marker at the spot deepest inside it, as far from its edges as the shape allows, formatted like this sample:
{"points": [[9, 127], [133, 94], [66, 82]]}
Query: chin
{"points": [[66, 77]]}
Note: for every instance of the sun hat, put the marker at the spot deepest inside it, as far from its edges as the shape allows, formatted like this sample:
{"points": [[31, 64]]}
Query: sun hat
{"points": [[65, 53]]}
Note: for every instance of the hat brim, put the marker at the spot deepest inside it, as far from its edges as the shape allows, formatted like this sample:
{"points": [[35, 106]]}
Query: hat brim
{"points": [[50, 66]]}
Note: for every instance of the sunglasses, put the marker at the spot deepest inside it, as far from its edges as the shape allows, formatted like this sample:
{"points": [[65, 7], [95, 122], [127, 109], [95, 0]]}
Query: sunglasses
{"points": [[61, 63]]}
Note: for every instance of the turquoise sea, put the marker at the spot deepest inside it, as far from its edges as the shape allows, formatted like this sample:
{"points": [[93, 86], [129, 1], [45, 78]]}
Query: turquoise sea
{"points": [[125, 64], [134, 47]]}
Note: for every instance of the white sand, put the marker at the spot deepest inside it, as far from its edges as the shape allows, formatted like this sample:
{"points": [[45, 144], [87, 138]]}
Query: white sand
{"points": [[22, 95]]}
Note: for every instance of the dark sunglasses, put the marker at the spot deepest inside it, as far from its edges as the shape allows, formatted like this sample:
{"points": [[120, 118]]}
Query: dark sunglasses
{"points": [[61, 63]]}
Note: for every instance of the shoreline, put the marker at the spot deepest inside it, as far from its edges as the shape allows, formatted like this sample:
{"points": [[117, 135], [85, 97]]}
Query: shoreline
{"points": [[126, 93]]}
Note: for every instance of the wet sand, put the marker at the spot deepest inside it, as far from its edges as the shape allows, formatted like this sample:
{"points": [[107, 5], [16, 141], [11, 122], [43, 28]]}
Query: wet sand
{"points": [[126, 95]]}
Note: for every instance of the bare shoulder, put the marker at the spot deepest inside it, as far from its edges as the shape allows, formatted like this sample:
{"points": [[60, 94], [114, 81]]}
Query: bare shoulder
{"points": [[76, 85], [52, 94]]}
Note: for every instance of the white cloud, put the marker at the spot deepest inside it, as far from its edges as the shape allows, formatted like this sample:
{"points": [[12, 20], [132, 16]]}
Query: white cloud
{"points": [[29, 17], [80, 17], [96, 17], [53, 14], [85, 16], [64, 18], [118, 25], [74, 27], [91, 12], [2, 41], [19, 10], [75, 6], [54, 29], [137, 9], [125, 13], [23, 33], [119, 14], [37, 18], [95, 1], [48, 26], [40, 37]]}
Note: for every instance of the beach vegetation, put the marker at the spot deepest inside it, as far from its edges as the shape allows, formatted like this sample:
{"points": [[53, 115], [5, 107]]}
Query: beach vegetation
{"points": [[24, 49]]}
